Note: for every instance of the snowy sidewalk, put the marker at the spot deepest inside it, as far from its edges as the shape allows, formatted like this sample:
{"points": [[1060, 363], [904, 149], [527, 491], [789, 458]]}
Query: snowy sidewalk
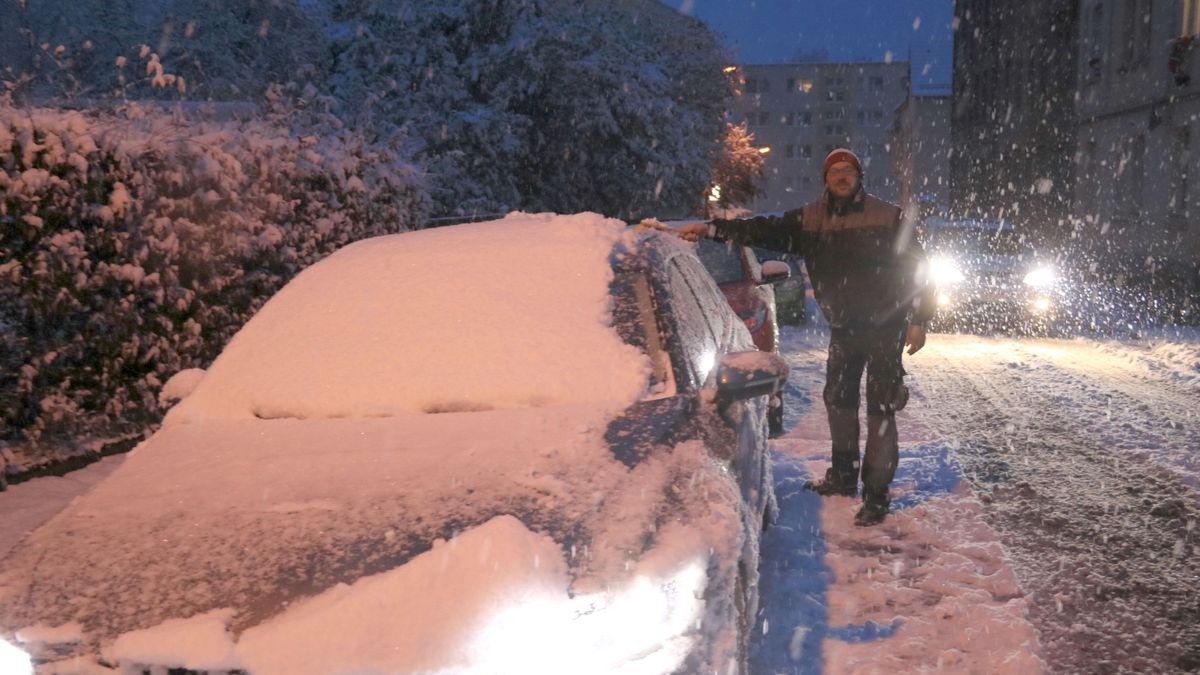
{"points": [[929, 590]]}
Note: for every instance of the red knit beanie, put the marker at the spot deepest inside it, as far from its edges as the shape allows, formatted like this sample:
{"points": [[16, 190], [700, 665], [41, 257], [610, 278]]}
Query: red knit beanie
{"points": [[841, 155]]}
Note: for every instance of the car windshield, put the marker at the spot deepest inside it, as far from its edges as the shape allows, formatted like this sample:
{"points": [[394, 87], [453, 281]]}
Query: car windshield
{"points": [[723, 261], [981, 240]]}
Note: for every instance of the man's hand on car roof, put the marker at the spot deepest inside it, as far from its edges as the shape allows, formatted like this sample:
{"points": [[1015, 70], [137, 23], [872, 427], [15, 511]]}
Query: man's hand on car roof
{"points": [[689, 230]]}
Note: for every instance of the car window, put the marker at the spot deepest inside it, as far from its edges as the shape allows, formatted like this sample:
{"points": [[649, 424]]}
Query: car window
{"points": [[710, 297], [696, 336], [753, 264], [722, 260], [635, 318]]}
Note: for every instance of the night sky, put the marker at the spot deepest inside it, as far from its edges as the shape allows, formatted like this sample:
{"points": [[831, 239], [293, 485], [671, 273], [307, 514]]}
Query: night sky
{"points": [[770, 31]]}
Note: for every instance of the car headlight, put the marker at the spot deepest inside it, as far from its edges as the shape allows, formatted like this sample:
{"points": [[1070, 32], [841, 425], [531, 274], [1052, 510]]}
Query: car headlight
{"points": [[1041, 277], [945, 271], [13, 660]]}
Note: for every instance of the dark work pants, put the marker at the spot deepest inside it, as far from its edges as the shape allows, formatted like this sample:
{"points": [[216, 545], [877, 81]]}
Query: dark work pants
{"points": [[878, 350]]}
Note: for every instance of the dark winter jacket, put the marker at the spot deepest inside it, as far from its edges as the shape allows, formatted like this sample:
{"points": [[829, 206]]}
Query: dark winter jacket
{"points": [[867, 268]]}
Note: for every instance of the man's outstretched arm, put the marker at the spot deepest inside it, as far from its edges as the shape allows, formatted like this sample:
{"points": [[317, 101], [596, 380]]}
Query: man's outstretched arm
{"points": [[775, 233]]}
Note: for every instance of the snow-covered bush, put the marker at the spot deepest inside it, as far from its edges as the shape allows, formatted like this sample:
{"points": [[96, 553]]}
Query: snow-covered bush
{"points": [[133, 246]]}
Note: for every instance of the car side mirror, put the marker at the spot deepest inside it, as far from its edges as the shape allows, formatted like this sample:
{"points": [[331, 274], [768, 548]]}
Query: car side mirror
{"points": [[743, 375], [774, 271]]}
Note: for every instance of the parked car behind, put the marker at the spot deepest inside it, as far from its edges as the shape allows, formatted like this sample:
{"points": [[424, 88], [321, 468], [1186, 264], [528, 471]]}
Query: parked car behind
{"points": [[748, 286], [989, 276], [530, 445]]}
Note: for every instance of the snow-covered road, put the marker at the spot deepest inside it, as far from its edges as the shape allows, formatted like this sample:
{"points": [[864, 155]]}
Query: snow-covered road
{"points": [[1046, 511]]}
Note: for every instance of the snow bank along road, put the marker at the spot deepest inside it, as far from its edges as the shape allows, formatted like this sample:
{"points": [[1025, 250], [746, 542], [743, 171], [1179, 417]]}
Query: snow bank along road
{"points": [[1046, 516]]}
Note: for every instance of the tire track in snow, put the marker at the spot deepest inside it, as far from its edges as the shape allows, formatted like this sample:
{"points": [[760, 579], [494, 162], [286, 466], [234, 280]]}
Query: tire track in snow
{"points": [[1103, 541]]}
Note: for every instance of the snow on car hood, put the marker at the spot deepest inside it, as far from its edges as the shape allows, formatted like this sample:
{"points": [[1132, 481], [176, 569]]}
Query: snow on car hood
{"points": [[252, 516], [491, 600], [505, 314]]}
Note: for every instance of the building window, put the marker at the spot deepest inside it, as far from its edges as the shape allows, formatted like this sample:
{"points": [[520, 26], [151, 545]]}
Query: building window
{"points": [[1191, 17], [835, 95], [757, 85], [1094, 63], [800, 118], [870, 117], [1178, 216], [1135, 42], [877, 81], [790, 151], [1131, 180], [834, 129], [1142, 28], [758, 118], [806, 151], [833, 115], [799, 86]]}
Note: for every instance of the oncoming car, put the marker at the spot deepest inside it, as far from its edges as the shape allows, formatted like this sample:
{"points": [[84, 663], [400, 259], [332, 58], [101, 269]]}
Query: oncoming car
{"points": [[989, 277], [748, 286], [533, 445]]}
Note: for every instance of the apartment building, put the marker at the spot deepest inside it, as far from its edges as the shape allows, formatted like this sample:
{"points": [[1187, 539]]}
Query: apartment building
{"points": [[921, 139], [1013, 114], [799, 112], [1138, 109]]}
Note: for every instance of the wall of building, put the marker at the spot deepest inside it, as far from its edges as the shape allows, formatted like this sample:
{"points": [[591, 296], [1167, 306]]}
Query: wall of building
{"points": [[921, 151], [1013, 116], [1136, 191], [802, 111]]}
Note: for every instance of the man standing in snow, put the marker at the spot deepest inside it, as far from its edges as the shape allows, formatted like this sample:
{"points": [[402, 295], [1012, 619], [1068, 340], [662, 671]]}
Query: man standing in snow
{"points": [[867, 273]]}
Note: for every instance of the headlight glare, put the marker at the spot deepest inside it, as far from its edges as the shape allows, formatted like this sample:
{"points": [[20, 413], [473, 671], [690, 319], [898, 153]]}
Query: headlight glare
{"points": [[944, 271], [13, 660], [1041, 277]]}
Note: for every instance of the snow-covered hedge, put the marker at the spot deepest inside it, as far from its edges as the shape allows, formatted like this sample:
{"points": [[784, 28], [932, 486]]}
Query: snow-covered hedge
{"points": [[134, 245]]}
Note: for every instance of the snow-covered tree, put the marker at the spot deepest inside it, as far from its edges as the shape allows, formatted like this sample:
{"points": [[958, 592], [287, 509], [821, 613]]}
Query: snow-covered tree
{"points": [[740, 165], [199, 49], [542, 104]]}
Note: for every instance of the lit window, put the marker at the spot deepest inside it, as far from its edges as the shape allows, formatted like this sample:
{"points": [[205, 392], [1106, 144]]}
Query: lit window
{"points": [[1191, 17]]}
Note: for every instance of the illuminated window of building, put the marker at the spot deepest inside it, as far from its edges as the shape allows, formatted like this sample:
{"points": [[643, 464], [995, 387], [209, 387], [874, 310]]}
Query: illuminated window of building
{"points": [[1191, 17]]}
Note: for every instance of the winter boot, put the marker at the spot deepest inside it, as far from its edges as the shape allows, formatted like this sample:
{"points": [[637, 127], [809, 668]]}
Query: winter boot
{"points": [[835, 484], [881, 454], [874, 509], [842, 478]]}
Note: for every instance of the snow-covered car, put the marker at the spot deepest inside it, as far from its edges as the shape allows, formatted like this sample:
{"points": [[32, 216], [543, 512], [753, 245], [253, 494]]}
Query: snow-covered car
{"points": [[533, 445], [748, 285], [989, 276]]}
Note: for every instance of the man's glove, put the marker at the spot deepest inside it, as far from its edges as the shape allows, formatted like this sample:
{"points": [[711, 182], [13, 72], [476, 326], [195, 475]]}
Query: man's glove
{"points": [[689, 230]]}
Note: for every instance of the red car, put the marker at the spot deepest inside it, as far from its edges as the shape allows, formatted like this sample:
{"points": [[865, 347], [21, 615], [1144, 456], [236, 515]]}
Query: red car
{"points": [[746, 284]]}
